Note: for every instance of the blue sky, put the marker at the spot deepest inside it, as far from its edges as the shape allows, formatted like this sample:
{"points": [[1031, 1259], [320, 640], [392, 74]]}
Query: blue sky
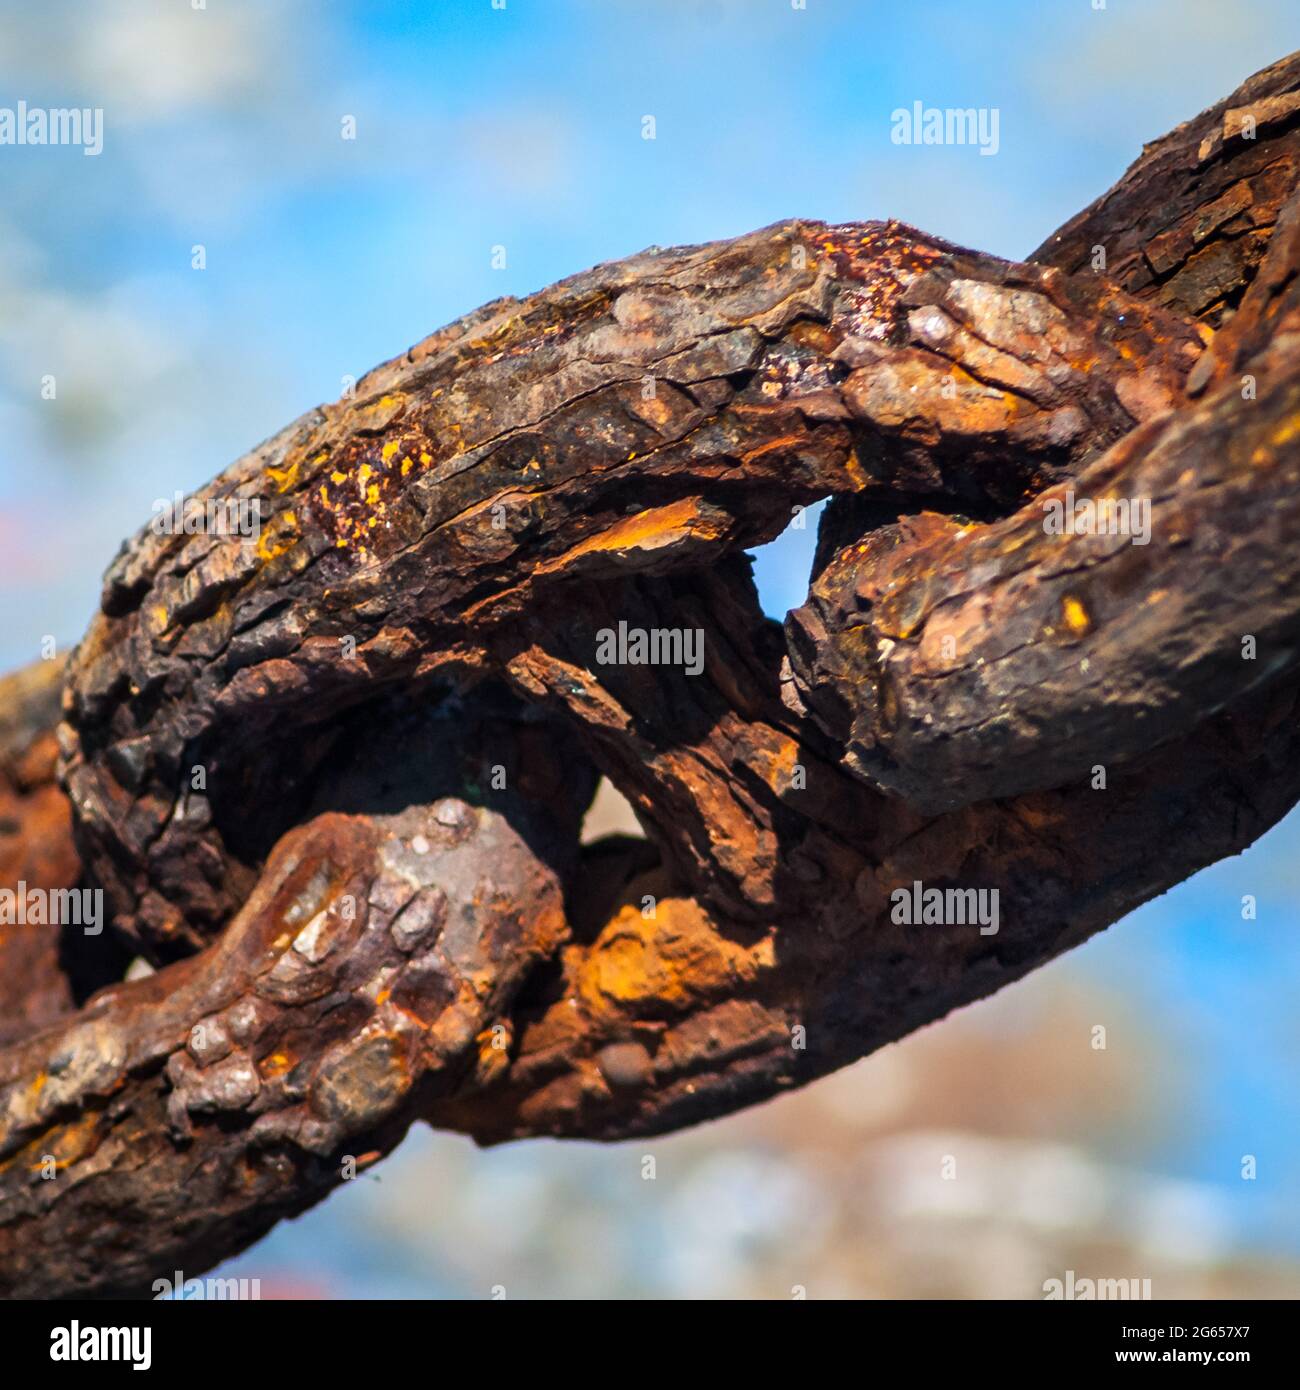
{"points": [[522, 127]]}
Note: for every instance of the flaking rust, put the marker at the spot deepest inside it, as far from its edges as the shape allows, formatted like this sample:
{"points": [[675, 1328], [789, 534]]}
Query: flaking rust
{"points": [[378, 909]]}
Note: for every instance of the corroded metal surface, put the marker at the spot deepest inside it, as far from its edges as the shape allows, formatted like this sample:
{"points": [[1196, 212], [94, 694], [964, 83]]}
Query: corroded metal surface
{"points": [[372, 907]]}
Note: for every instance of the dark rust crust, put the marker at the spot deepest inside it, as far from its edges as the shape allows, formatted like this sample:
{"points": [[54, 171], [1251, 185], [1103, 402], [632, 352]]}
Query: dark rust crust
{"points": [[332, 782]]}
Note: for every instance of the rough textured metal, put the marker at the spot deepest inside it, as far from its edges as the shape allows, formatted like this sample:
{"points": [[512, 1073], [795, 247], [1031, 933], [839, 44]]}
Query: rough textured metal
{"points": [[373, 907]]}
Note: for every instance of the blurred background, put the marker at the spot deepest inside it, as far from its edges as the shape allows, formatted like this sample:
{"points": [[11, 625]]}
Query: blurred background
{"points": [[519, 125]]}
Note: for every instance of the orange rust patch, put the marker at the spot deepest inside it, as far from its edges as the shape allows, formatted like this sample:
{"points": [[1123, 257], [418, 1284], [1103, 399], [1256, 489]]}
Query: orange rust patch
{"points": [[652, 527], [662, 963], [367, 480], [1075, 615], [277, 536]]}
